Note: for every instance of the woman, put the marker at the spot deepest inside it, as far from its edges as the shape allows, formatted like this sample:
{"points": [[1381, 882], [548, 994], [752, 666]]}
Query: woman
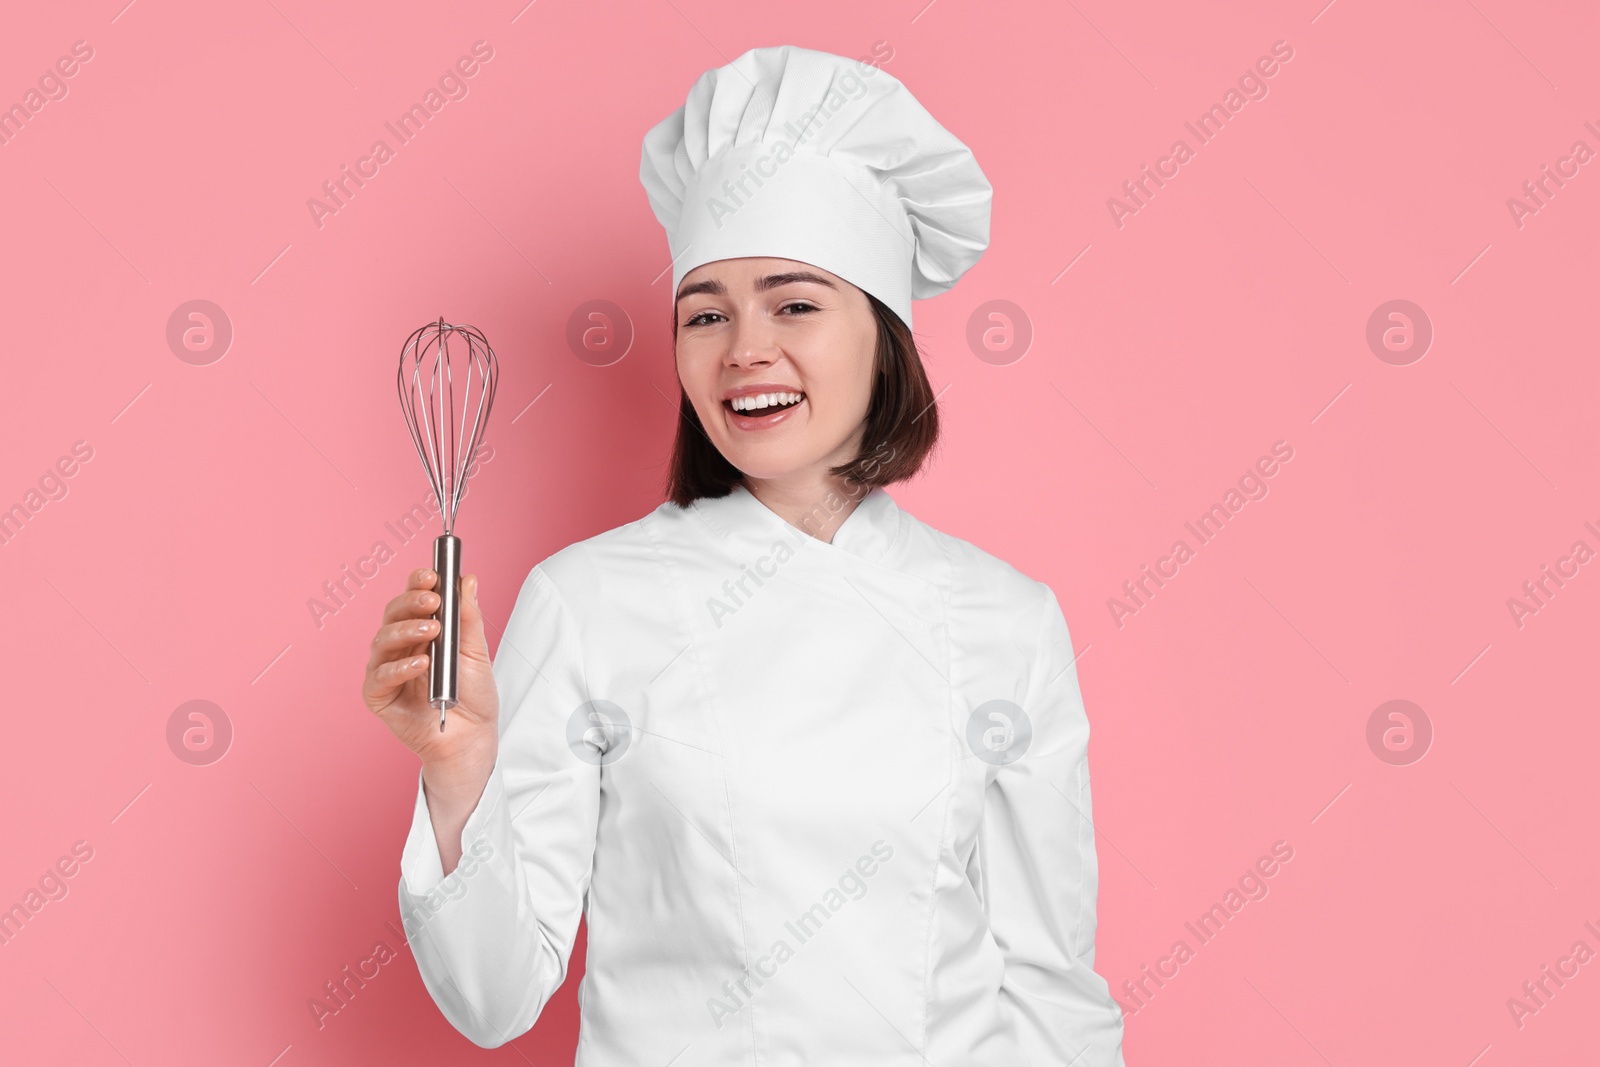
{"points": [[815, 773]]}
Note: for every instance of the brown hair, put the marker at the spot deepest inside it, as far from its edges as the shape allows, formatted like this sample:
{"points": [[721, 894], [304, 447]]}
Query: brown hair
{"points": [[901, 430]]}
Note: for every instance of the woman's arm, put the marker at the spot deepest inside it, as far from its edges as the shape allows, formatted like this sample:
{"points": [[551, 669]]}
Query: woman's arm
{"points": [[1040, 873], [452, 795], [493, 938]]}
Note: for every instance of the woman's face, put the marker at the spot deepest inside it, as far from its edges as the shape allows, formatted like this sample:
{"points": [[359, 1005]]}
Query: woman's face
{"points": [[754, 326]]}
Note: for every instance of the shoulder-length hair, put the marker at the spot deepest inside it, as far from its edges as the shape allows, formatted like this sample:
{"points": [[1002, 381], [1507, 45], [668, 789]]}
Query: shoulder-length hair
{"points": [[901, 430]]}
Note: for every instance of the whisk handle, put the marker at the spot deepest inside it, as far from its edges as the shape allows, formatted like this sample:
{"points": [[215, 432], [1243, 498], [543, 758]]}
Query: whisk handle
{"points": [[446, 647]]}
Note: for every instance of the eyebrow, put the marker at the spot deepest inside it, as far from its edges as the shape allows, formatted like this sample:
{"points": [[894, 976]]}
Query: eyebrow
{"points": [[768, 281]]}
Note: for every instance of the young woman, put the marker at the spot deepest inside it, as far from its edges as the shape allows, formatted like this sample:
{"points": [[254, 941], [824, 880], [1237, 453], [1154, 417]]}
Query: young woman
{"points": [[814, 772]]}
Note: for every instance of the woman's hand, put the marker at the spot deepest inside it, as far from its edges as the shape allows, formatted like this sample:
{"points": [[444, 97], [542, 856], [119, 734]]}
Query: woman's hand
{"points": [[396, 685]]}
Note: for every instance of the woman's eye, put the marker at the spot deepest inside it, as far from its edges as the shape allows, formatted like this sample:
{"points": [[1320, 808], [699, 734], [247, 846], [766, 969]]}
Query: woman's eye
{"points": [[794, 307]]}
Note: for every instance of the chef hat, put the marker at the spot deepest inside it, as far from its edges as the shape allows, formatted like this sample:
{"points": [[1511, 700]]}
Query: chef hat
{"points": [[804, 155]]}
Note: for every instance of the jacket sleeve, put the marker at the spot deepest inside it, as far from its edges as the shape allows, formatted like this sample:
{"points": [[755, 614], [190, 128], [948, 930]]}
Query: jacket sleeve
{"points": [[493, 939], [1040, 871]]}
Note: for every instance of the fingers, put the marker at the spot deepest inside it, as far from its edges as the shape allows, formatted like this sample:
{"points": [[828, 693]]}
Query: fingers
{"points": [[400, 647], [386, 678], [404, 638], [417, 600], [472, 637]]}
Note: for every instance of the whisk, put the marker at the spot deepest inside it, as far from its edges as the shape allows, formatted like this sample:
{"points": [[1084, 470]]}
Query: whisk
{"points": [[439, 360]]}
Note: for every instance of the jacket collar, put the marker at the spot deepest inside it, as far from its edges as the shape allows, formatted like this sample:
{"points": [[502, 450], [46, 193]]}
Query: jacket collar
{"points": [[872, 531]]}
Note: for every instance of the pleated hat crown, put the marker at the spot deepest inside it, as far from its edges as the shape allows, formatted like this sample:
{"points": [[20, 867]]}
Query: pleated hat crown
{"points": [[799, 154]]}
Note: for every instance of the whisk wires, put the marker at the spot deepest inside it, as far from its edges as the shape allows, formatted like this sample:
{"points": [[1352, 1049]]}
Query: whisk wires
{"points": [[436, 359]]}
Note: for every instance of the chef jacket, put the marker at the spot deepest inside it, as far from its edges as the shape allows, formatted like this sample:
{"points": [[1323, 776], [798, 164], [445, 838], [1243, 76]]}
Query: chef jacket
{"points": [[820, 803]]}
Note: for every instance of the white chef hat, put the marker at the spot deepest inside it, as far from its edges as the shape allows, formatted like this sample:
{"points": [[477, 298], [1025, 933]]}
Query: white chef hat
{"points": [[799, 154]]}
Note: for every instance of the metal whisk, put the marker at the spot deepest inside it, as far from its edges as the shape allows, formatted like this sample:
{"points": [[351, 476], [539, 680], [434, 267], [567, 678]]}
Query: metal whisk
{"points": [[438, 363]]}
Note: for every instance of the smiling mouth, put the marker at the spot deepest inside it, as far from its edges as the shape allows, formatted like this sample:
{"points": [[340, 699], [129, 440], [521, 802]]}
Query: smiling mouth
{"points": [[766, 410]]}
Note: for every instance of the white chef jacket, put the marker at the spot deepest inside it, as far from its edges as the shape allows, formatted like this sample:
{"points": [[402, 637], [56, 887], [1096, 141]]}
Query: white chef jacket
{"points": [[746, 756]]}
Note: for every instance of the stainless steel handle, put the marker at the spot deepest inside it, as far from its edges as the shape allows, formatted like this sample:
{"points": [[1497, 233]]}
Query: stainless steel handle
{"points": [[447, 646]]}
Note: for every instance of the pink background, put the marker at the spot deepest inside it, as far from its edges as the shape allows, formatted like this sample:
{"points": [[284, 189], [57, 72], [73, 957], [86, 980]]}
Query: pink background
{"points": [[1168, 354]]}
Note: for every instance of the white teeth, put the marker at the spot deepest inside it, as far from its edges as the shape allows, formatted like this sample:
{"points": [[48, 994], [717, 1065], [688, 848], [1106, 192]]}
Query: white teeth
{"points": [[763, 400]]}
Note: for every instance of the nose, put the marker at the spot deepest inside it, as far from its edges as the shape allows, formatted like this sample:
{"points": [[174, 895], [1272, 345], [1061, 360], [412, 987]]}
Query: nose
{"points": [[752, 343]]}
